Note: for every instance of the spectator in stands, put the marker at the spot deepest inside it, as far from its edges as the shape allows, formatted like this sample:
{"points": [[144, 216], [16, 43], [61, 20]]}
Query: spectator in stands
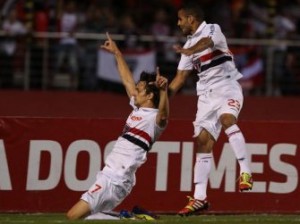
{"points": [[165, 38], [94, 23], [111, 22], [13, 30], [67, 48], [253, 73], [284, 27], [290, 79], [129, 28], [158, 28], [39, 46]]}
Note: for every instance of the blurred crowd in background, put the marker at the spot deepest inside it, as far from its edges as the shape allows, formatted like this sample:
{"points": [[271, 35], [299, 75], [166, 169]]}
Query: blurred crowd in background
{"points": [[239, 19]]}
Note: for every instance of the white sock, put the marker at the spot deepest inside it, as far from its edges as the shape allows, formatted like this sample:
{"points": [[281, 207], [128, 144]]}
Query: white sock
{"points": [[201, 173], [238, 144]]}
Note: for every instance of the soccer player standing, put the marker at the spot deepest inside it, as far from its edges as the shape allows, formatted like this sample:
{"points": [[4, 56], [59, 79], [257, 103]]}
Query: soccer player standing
{"points": [[220, 99], [149, 99]]}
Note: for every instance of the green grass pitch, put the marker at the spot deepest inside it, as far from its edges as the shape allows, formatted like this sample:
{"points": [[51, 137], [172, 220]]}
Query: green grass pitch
{"points": [[13, 218]]}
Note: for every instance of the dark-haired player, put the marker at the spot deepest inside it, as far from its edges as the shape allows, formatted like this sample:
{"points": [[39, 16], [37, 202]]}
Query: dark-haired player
{"points": [[220, 99], [149, 99]]}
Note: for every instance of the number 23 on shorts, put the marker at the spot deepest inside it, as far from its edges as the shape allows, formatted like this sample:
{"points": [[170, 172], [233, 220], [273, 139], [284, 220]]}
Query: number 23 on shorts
{"points": [[234, 103]]}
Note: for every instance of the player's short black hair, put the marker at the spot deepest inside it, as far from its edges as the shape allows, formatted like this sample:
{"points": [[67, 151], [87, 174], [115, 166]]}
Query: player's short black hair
{"points": [[148, 78], [194, 9]]}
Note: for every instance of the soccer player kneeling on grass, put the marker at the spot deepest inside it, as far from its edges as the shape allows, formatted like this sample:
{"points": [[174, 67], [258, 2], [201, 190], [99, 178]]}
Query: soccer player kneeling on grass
{"points": [[149, 99]]}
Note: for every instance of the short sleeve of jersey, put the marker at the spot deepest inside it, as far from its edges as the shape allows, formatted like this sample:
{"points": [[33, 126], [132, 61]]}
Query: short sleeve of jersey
{"points": [[216, 35], [185, 63]]}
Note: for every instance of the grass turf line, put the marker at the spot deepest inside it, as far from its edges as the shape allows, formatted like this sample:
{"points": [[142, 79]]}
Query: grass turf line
{"points": [[41, 218]]}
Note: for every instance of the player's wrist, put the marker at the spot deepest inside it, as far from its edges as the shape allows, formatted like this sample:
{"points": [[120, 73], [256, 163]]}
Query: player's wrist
{"points": [[117, 53]]}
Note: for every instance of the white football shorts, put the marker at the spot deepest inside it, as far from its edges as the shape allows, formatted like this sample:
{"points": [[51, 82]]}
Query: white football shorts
{"points": [[214, 102], [104, 195]]}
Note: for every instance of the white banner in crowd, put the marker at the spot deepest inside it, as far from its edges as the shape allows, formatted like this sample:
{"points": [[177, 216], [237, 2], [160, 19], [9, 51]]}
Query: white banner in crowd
{"points": [[137, 61]]}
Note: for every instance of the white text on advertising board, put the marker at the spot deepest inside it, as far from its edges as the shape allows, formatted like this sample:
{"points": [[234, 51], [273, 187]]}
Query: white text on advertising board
{"points": [[224, 170]]}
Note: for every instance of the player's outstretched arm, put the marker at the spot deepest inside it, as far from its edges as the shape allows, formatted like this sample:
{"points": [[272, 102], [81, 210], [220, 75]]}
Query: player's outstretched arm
{"points": [[163, 107], [201, 45], [182, 75], [125, 73]]}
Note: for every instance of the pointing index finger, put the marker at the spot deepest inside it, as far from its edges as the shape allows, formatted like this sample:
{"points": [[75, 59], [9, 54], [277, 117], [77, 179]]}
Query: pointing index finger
{"points": [[157, 73], [108, 36]]}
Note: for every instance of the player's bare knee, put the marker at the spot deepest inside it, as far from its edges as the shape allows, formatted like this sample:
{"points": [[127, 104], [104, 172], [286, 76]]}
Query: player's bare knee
{"points": [[227, 120], [205, 142], [71, 215], [202, 139]]}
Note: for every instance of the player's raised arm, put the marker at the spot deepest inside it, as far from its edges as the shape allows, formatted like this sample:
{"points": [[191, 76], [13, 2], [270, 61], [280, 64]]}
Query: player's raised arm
{"points": [[163, 107], [125, 73]]}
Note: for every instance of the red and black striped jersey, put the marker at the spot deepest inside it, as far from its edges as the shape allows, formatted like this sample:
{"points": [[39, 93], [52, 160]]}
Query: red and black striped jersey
{"points": [[214, 65], [131, 148]]}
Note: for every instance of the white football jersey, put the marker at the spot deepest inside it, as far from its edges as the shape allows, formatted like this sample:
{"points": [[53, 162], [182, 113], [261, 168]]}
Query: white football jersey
{"points": [[130, 150], [215, 66]]}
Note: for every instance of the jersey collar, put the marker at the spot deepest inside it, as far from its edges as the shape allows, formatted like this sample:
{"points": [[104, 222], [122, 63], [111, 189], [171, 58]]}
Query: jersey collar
{"points": [[148, 109]]}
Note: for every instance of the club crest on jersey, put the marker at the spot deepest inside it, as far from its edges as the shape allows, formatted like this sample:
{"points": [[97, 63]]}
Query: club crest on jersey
{"points": [[197, 64]]}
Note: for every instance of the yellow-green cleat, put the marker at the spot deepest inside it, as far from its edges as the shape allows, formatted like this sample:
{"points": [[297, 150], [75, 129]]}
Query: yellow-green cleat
{"points": [[246, 182]]}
